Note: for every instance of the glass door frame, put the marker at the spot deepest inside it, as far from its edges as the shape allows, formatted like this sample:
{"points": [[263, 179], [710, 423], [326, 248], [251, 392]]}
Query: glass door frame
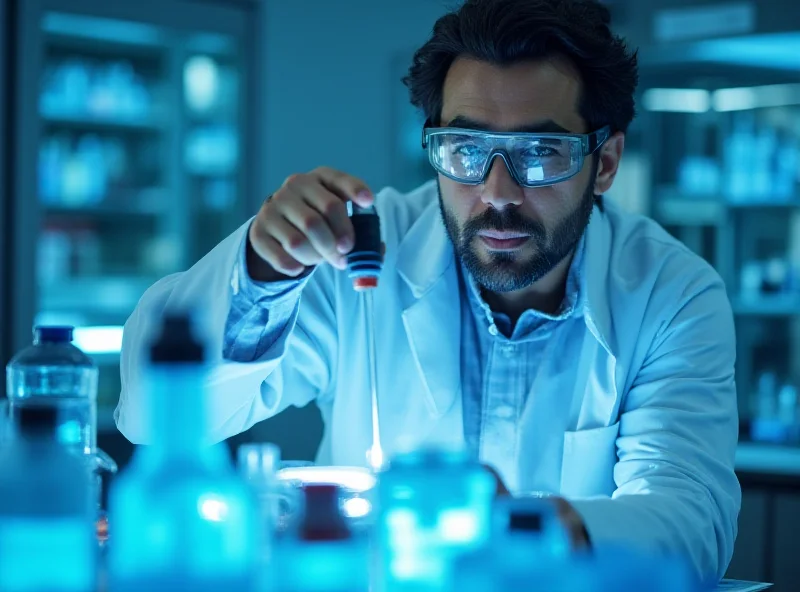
{"points": [[6, 43]]}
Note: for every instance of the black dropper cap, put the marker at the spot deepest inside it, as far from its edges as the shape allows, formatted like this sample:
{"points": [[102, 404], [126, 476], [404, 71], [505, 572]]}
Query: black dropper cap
{"points": [[176, 342], [36, 419], [365, 260]]}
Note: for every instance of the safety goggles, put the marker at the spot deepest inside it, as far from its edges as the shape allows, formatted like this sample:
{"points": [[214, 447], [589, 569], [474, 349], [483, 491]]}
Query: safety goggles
{"points": [[534, 160]]}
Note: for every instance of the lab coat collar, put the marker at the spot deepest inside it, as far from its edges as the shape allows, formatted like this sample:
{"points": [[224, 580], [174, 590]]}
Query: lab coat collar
{"points": [[426, 252], [596, 278], [432, 318]]}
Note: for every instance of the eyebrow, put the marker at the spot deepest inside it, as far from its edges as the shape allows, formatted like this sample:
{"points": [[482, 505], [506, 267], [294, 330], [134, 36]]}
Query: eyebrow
{"points": [[547, 126]]}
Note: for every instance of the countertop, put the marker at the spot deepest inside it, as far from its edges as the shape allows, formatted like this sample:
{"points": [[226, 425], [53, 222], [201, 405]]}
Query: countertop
{"points": [[768, 458]]}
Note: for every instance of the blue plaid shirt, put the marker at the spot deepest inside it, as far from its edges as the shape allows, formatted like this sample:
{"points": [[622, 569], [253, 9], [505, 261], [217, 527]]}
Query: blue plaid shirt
{"points": [[498, 365]]}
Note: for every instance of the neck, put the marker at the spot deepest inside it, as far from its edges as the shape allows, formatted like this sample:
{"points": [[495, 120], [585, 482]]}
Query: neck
{"points": [[545, 295]]}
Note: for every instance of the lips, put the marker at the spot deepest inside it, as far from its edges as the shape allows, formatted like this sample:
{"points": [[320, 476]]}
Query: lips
{"points": [[502, 234], [503, 241]]}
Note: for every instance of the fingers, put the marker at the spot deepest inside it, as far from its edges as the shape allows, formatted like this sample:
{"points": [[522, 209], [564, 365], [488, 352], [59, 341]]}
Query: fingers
{"points": [[305, 222], [293, 242], [573, 523], [270, 250], [500, 486], [317, 235], [333, 211], [345, 186]]}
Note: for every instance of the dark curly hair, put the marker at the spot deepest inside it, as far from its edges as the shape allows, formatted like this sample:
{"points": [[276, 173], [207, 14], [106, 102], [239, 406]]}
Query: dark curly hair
{"points": [[503, 32]]}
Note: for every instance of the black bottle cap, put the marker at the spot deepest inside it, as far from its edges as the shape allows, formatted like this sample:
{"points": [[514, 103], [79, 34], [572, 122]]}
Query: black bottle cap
{"points": [[176, 342], [525, 522], [55, 334], [322, 519]]}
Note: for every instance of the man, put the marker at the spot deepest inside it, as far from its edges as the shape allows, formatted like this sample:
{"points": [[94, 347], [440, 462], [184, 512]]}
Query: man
{"points": [[574, 348]]}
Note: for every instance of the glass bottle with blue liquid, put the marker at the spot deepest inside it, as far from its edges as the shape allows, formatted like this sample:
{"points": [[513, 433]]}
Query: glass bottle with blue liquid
{"points": [[47, 512], [322, 554], [434, 505], [180, 517], [54, 372]]}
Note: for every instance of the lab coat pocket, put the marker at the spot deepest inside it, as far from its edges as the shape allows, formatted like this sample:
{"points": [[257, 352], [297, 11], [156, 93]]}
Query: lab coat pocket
{"points": [[587, 467]]}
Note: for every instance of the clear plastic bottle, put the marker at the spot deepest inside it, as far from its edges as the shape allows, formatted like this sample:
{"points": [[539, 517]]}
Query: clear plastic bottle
{"points": [[323, 555], [53, 371], [434, 506], [180, 517], [258, 463], [47, 514]]}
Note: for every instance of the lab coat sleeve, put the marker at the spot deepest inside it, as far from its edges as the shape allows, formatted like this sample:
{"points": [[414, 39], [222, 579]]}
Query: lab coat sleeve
{"points": [[260, 313], [676, 487], [296, 368]]}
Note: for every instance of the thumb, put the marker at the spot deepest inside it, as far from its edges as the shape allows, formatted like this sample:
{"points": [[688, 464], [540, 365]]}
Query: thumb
{"points": [[501, 489]]}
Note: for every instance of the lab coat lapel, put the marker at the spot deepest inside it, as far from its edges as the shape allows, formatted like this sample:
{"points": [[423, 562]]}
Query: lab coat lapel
{"points": [[596, 281], [596, 398], [431, 315]]}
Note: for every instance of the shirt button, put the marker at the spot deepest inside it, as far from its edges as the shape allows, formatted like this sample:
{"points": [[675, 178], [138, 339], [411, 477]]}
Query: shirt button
{"points": [[510, 351], [504, 412], [493, 330]]}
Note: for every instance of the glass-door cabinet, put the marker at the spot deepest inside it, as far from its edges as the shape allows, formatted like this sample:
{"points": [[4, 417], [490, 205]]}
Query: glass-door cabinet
{"points": [[134, 157], [725, 143]]}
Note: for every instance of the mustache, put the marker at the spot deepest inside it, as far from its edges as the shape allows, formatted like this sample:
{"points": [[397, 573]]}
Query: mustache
{"points": [[507, 220]]}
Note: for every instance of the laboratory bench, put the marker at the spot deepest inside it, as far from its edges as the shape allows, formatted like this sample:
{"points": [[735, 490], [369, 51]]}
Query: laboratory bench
{"points": [[768, 459]]}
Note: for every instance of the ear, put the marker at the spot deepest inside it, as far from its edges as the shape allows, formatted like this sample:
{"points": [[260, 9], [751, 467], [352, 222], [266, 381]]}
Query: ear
{"points": [[608, 165]]}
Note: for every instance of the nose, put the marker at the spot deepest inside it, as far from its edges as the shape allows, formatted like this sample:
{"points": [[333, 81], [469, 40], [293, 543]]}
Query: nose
{"points": [[500, 190]]}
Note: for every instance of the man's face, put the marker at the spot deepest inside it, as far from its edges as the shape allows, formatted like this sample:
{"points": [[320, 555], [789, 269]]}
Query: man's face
{"points": [[510, 236]]}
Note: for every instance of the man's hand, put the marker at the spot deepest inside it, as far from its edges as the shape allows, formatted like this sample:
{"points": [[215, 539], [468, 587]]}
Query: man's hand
{"points": [[569, 517], [573, 523], [303, 224]]}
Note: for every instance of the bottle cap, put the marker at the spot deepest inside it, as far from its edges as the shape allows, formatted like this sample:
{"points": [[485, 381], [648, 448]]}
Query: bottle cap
{"points": [[322, 519], [176, 343], [525, 522], [53, 334]]}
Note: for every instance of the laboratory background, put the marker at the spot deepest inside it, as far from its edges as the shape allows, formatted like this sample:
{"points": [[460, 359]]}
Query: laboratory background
{"points": [[136, 134]]}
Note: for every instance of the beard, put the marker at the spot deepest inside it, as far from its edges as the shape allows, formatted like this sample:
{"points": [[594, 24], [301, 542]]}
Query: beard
{"points": [[510, 271]]}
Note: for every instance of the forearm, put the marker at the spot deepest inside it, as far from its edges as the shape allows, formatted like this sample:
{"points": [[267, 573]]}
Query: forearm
{"points": [[688, 523]]}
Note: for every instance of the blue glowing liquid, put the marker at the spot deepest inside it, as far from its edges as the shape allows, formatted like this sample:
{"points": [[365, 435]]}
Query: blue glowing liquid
{"points": [[47, 539], [434, 507], [330, 566], [180, 513]]}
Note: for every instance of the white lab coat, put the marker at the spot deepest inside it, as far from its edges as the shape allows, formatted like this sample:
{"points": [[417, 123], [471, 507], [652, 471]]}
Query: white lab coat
{"points": [[638, 427]]}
